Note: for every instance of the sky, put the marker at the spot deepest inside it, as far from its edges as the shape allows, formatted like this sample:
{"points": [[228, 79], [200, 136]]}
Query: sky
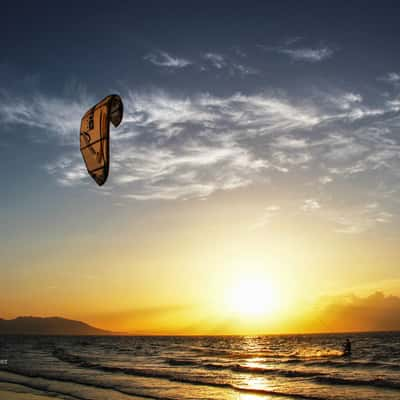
{"points": [[258, 162]]}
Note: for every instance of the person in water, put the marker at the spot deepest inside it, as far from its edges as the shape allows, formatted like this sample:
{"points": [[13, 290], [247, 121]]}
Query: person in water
{"points": [[347, 347]]}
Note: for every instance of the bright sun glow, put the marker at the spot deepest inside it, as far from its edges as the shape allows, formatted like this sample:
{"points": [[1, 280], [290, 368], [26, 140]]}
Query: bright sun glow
{"points": [[252, 297]]}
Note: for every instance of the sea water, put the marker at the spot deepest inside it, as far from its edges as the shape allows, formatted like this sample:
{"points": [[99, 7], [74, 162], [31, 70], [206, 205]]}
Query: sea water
{"points": [[206, 367]]}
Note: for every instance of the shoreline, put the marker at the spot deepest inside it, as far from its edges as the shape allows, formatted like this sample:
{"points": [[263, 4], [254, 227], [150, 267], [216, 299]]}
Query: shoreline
{"points": [[20, 387]]}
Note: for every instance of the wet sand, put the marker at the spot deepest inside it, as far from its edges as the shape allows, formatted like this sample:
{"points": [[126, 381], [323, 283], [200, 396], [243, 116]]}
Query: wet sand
{"points": [[11, 391], [18, 387]]}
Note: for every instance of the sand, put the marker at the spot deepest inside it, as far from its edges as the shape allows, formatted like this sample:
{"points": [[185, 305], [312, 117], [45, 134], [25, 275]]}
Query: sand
{"points": [[11, 391], [19, 387]]}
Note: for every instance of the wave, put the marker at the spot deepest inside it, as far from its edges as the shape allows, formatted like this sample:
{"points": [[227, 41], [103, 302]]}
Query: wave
{"points": [[243, 368], [355, 364], [42, 386], [177, 362], [316, 376], [330, 363], [289, 357], [377, 382], [276, 371], [230, 353], [180, 362]]}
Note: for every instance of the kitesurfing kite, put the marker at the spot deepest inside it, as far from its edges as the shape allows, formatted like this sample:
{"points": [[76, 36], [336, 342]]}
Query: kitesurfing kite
{"points": [[95, 136]]}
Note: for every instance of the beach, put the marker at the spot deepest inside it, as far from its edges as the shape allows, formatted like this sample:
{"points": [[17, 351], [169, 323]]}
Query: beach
{"points": [[19, 392], [18, 387]]}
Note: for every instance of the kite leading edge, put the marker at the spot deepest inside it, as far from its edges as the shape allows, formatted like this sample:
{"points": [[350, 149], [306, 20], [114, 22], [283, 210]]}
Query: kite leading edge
{"points": [[95, 136]]}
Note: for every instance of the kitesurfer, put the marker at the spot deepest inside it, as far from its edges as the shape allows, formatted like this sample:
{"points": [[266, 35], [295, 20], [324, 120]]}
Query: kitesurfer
{"points": [[347, 347]]}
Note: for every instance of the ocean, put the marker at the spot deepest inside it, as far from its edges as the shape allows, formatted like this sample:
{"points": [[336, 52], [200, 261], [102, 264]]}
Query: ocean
{"points": [[206, 367]]}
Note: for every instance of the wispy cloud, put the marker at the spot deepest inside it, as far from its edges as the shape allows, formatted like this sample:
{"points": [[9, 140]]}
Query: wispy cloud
{"points": [[292, 48], [269, 213], [361, 219], [325, 179], [222, 62], [205, 62], [308, 54], [68, 170], [179, 147], [391, 77], [56, 116], [344, 101], [171, 147], [355, 219], [216, 60], [290, 142], [310, 205], [163, 59]]}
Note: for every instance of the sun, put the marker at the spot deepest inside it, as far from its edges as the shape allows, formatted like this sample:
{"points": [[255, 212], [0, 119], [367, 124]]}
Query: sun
{"points": [[253, 297]]}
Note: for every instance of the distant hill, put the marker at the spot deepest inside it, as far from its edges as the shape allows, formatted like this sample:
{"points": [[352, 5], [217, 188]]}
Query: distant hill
{"points": [[47, 326]]}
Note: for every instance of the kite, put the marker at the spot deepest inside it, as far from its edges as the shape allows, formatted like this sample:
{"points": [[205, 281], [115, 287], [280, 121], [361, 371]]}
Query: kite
{"points": [[95, 136]]}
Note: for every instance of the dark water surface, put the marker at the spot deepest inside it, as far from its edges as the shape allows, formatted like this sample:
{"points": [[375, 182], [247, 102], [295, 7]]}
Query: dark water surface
{"points": [[235, 367]]}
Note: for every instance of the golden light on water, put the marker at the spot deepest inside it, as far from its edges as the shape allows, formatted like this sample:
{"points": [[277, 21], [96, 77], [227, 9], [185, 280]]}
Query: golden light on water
{"points": [[256, 383]]}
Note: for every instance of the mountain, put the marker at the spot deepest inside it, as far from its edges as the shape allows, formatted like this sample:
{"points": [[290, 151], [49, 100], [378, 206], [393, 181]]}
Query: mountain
{"points": [[47, 326]]}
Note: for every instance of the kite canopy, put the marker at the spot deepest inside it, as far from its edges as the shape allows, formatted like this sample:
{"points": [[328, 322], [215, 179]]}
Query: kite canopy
{"points": [[95, 136]]}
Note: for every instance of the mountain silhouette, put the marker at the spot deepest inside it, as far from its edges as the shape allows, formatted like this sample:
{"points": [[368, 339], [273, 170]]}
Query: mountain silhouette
{"points": [[47, 326]]}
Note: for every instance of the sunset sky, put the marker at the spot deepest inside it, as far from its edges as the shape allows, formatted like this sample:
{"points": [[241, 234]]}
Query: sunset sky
{"points": [[255, 179]]}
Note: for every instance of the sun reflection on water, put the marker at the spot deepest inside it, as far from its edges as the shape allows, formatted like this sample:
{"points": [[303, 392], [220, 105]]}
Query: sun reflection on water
{"points": [[255, 383], [250, 396], [261, 384]]}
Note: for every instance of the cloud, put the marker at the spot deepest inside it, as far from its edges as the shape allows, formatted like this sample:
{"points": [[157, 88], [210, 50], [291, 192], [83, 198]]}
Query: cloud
{"points": [[54, 116], [376, 312], [168, 147], [308, 54], [185, 147], [259, 114], [243, 69], [390, 77], [290, 142], [344, 101], [216, 60], [291, 48], [355, 219], [163, 59], [269, 213], [221, 62], [173, 146], [325, 179], [310, 205], [210, 60], [68, 170]]}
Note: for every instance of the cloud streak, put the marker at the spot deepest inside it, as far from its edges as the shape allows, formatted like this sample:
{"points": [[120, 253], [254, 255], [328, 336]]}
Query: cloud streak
{"points": [[209, 61], [224, 63], [312, 55], [56, 116], [166, 60], [179, 147], [391, 77]]}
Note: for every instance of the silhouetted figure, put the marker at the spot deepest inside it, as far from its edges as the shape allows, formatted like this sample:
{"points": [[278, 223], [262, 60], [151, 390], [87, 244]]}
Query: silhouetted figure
{"points": [[347, 347]]}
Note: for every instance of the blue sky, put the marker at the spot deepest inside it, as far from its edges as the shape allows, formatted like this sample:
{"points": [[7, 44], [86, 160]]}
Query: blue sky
{"points": [[294, 107], [230, 94]]}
